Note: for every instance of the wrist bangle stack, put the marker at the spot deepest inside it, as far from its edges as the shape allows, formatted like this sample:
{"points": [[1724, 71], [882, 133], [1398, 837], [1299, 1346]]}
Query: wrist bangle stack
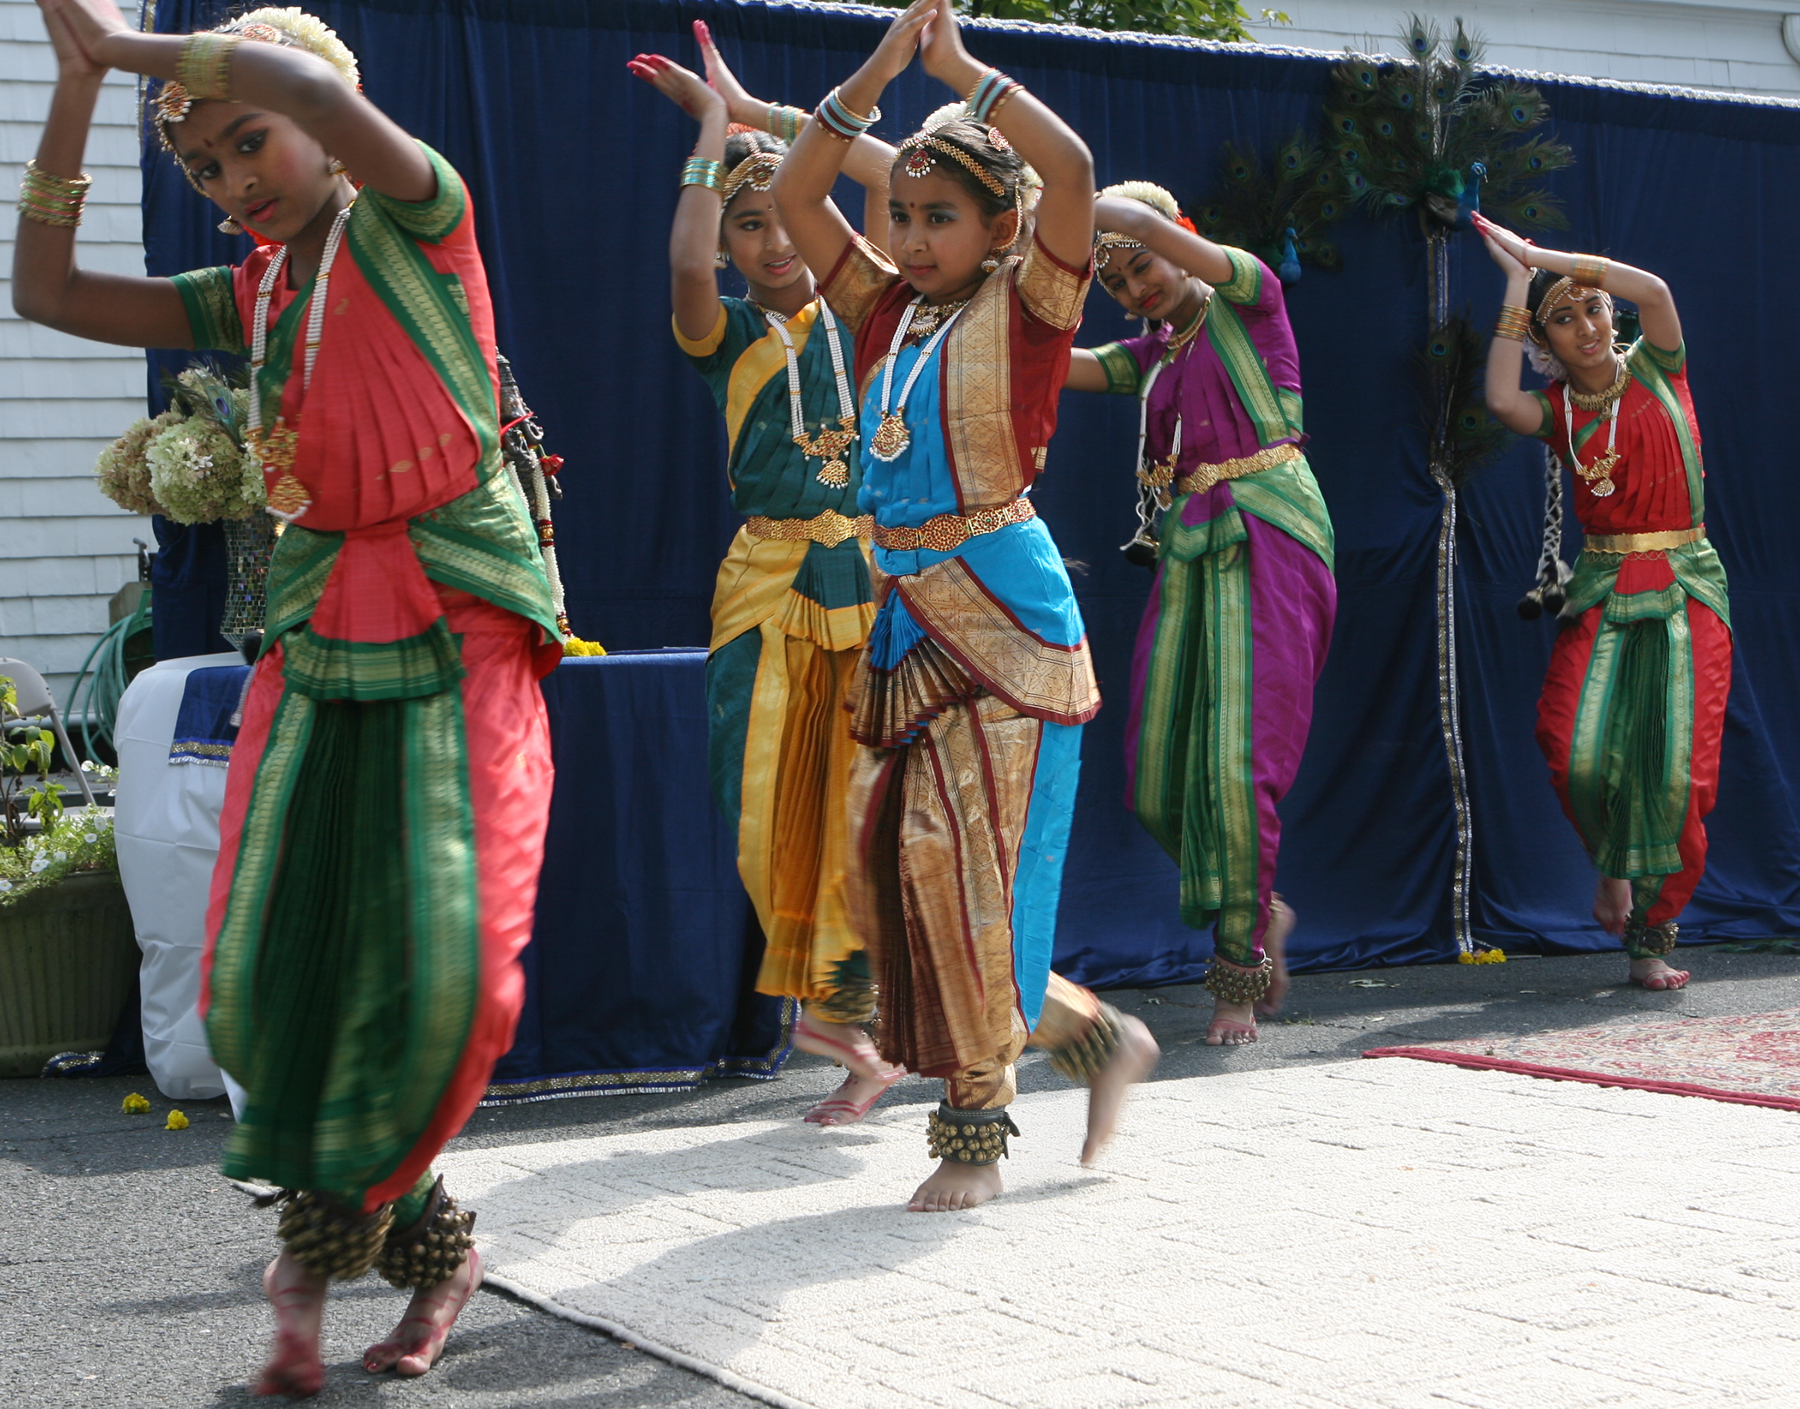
{"points": [[698, 171], [786, 122], [837, 119], [989, 95], [1589, 271], [204, 68], [1514, 322], [50, 199]]}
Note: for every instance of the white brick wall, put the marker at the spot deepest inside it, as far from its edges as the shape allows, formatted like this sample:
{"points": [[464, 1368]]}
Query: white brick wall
{"points": [[64, 550], [1733, 45]]}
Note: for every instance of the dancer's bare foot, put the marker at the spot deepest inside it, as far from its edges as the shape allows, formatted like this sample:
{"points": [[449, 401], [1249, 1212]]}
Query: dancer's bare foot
{"points": [[418, 1340], [1134, 1059], [1612, 904], [956, 1185], [297, 1296], [1275, 938], [1657, 976], [1233, 1024]]}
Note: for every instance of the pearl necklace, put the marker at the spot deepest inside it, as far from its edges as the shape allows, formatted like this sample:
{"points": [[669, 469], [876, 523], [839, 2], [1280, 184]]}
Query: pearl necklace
{"points": [[275, 449], [830, 445], [891, 436], [1599, 474]]}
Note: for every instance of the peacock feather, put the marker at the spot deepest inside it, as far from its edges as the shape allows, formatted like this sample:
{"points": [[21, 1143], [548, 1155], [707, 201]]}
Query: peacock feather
{"points": [[1279, 212], [1461, 436], [1428, 132]]}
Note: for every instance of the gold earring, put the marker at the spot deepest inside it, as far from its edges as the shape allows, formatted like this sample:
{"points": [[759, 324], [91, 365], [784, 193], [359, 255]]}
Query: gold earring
{"points": [[229, 226], [721, 260], [337, 167], [991, 263]]}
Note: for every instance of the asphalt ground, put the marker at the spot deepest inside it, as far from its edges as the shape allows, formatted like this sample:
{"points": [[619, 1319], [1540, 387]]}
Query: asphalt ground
{"points": [[129, 1269]]}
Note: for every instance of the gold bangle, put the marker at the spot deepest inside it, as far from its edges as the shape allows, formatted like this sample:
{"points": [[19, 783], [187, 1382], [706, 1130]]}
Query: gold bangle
{"points": [[204, 68], [1589, 270], [50, 199], [1514, 322]]}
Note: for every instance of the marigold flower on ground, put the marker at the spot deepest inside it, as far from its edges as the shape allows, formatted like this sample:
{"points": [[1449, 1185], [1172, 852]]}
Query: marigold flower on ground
{"points": [[134, 1104], [1483, 956], [177, 1121]]}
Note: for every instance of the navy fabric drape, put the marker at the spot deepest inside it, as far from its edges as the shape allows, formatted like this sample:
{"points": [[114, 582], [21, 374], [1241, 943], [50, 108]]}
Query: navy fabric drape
{"points": [[641, 971], [573, 165]]}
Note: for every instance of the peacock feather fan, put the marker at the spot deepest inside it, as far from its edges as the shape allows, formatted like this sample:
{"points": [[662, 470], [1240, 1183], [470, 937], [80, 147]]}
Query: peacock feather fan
{"points": [[1279, 212], [1429, 132], [1460, 434]]}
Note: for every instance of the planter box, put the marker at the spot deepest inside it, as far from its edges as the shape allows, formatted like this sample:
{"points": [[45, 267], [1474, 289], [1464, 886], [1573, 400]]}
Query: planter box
{"points": [[67, 956]]}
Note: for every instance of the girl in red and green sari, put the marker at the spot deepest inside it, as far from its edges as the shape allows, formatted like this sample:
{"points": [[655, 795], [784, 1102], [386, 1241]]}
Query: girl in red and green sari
{"points": [[388, 793], [1633, 709], [793, 605]]}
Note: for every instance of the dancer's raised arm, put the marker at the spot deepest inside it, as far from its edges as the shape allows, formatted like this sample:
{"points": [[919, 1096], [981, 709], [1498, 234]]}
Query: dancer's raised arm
{"points": [[256, 128], [1065, 211], [803, 185], [1576, 331], [49, 287], [868, 162]]}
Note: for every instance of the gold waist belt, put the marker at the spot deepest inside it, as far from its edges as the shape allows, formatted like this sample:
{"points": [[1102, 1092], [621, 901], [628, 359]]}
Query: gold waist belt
{"points": [[948, 532], [830, 528], [1620, 545], [1203, 477]]}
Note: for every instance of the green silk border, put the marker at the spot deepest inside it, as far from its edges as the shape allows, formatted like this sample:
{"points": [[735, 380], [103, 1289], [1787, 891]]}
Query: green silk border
{"points": [[214, 323]]}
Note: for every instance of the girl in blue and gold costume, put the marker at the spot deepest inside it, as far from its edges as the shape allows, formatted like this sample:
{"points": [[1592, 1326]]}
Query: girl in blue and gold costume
{"points": [[793, 605]]}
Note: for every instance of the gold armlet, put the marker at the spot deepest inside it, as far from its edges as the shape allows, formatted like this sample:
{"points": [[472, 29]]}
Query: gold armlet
{"points": [[204, 68], [1589, 271]]}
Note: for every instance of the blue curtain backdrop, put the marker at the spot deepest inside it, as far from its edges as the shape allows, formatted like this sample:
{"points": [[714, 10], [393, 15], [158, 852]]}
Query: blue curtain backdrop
{"points": [[573, 166]]}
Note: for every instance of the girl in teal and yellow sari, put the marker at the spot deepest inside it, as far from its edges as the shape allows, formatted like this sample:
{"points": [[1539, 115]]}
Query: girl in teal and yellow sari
{"points": [[793, 605]]}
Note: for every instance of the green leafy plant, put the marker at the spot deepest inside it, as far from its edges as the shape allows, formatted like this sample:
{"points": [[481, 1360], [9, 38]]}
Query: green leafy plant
{"points": [[1224, 20], [30, 861]]}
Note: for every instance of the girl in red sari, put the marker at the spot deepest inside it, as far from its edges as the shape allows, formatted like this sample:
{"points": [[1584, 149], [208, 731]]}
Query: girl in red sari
{"points": [[387, 798], [1633, 709]]}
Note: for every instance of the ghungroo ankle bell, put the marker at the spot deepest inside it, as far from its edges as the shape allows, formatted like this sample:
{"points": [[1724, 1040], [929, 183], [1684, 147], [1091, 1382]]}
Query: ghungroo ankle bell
{"points": [[431, 1250], [327, 1236], [1084, 1059], [1233, 983], [969, 1137], [1650, 941]]}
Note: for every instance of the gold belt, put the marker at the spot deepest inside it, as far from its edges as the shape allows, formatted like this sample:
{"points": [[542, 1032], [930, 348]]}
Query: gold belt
{"points": [[1203, 477], [1620, 545], [948, 532], [830, 528]]}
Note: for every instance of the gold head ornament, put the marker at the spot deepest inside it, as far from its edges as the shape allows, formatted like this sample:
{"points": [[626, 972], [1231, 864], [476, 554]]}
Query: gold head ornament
{"points": [[1564, 290], [757, 171], [288, 26], [920, 162]]}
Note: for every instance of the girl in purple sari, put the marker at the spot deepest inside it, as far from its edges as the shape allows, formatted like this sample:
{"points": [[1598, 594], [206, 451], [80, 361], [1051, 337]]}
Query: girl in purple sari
{"points": [[1240, 615]]}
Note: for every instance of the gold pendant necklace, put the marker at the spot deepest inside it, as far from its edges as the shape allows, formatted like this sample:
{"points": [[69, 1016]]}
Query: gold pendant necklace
{"points": [[1608, 403], [828, 445], [891, 436]]}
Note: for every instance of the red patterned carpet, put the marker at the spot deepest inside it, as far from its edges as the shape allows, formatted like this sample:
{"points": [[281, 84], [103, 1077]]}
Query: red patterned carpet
{"points": [[1754, 1060]]}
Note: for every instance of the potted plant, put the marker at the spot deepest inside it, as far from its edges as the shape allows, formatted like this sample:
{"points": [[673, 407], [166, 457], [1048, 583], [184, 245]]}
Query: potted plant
{"points": [[67, 947]]}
